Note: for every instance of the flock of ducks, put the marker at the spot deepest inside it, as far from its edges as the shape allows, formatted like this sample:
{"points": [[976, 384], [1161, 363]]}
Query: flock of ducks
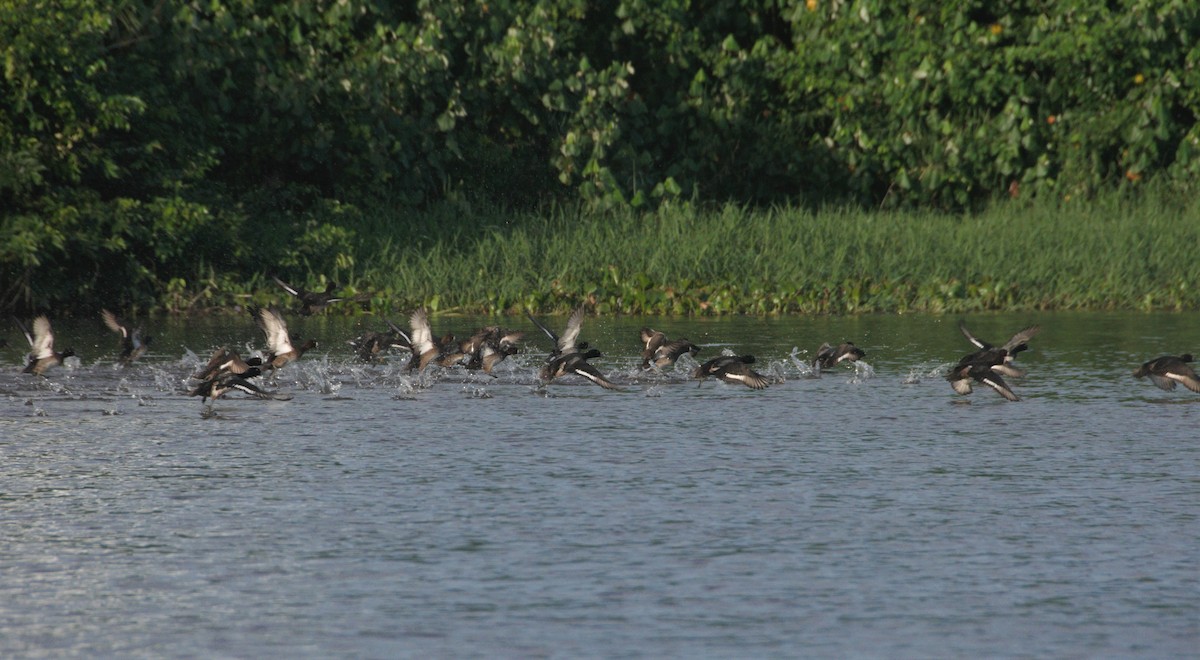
{"points": [[488, 346]]}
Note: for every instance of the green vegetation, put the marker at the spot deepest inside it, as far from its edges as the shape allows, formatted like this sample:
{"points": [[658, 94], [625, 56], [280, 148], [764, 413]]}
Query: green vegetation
{"points": [[1110, 253], [160, 155]]}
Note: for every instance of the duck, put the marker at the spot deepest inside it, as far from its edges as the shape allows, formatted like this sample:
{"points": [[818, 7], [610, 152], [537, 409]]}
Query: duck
{"points": [[225, 361], [568, 342], [489, 346], [1168, 370], [218, 385], [661, 353], [1001, 357], [576, 362], [311, 301], [732, 369], [370, 345], [133, 344], [980, 371], [279, 343], [989, 363], [829, 356], [42, 355], [427, 349]]}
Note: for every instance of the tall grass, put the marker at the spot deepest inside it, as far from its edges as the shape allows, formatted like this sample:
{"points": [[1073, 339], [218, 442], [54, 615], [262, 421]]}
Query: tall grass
{"points": [[1110, 253]]}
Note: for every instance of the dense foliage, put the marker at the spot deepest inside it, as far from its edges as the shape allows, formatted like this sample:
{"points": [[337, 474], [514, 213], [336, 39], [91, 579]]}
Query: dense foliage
{"points": [[153, 150]]}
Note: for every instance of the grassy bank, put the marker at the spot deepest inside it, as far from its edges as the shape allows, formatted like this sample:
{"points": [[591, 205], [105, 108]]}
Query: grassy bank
{"points": [[1112, 253]]}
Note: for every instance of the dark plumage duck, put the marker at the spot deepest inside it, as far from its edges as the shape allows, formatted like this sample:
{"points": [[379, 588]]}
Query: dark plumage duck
{"points": [[980, 371], [1168, 370], [225, 361], [1001, 357], [489, 347], [371, 345], [310, 301], [569, 355], [42, 355], [661, 353], [988, 364], [576, 363], [568, 342], [828, 356], [732, 369], [218, 385], [133, 344], [279, 343]]}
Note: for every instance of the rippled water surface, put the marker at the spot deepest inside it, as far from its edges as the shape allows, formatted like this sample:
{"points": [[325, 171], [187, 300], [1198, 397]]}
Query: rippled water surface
{"points": [[867, 512]]}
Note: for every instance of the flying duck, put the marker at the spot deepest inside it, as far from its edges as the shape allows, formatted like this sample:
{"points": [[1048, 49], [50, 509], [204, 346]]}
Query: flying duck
{"points": [[279, 343], [489, 346], [310, 301], [133, 344], [732, 369], [661, 353], [225, 361], [568, 342], [980, 371], [1002, 356], [989, 363], [426, 348], [1168, 370], [42, 355], [576, 363], [371, 344], [216, 387]]}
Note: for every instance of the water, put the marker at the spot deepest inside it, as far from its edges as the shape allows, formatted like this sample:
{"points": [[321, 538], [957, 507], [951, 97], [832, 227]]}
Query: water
{"points": [[864, 513]]}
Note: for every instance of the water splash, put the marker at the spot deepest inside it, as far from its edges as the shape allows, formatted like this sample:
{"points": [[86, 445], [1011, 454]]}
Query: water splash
{"points": [[776, 371], [862, 372], [806, 368]]}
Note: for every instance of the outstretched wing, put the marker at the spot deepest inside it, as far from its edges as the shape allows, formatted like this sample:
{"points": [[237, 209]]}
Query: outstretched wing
{"points": [[979, 343], [589, 372], [422, 335], [997, 383], [43, 339], [570, 336], [114, 323], [549, 333], [274, 328], [286, 287], [1016, 344]]}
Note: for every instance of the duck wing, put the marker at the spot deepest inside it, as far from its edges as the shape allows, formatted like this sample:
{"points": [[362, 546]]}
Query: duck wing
{"points": [[1019, 341], [274, 328], [24, 330], [114, 323], [748, 377], [42, 342], [422, 334], [549, 333], [668, 353], [962, 385], [979, 343], [582, 368], [287, 287], [1186, 377], [994, 381], [567, 342]]}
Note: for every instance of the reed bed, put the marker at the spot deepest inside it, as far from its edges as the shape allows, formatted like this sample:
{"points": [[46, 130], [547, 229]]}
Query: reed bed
{"points": [[1115, 252]]}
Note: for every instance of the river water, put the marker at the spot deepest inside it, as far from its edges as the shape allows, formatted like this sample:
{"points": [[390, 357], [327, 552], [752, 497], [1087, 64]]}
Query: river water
{"points": [[870, 512]]}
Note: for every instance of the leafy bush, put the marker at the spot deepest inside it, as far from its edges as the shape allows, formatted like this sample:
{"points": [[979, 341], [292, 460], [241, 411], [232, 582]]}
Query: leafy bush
{"points": [[144, 144]]}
